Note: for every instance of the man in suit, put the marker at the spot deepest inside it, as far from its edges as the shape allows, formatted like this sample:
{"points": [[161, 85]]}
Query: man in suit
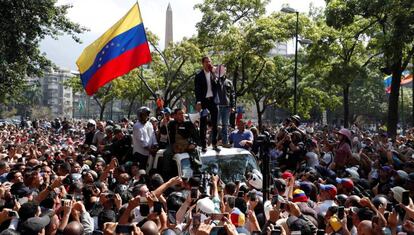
{"points": [[206, 85]]}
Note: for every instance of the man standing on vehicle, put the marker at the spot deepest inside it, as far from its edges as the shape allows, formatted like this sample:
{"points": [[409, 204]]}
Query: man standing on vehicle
{"points": [[183, 138], [206, 94], [226, 96], [241, 138], [144, 139]]}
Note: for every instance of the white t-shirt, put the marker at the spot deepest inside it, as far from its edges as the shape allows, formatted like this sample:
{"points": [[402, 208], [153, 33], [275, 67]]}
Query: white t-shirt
{"points": [[322, 207], [143, 136]]}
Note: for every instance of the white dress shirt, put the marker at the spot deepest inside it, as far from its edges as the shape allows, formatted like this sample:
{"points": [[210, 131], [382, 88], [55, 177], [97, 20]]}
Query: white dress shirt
{"points": [[143, 136], [208, 80]]}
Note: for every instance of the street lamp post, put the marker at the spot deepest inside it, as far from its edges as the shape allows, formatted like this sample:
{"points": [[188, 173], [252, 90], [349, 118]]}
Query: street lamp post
{"points": [[295, 81], [297, 40], [295, 94]]}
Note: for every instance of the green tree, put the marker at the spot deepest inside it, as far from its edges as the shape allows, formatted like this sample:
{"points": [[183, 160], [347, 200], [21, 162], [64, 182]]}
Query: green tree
{"points": [[41, 112], [243, 40], [220, 15], [172, 71], [225, 30], [342, 53], [368, 100], [102, 97], [130, 88], [24, 24], [31, 96], [273, 89], [391, 33]]}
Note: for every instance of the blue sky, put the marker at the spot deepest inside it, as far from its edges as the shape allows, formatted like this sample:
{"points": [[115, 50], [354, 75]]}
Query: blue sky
{"points": [[99, 15]]}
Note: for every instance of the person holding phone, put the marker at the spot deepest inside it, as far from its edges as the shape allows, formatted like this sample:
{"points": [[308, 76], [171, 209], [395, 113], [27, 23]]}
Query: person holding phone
{"points": [[205, 89]]}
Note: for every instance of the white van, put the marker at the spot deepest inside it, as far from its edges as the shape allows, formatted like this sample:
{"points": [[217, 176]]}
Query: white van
{"points": [[231, 163]]}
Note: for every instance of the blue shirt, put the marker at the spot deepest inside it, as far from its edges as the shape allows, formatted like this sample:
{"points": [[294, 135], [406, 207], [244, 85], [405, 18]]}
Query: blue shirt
{"points": [[237, 136]]}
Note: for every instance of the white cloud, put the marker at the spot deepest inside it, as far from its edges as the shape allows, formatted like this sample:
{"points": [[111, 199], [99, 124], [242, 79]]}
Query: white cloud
{"points": [[99, 15]]}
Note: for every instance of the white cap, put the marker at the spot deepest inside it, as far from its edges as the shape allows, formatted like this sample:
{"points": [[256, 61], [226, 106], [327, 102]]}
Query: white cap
{"points": [[206, 205], [256, 181], [397, 193], [91, 121]]}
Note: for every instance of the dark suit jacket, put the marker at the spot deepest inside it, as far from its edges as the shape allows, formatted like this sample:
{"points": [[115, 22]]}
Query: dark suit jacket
{"points": [[201, 86]]}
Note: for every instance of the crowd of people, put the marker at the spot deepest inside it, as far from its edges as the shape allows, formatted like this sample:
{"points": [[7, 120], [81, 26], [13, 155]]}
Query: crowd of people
{"points": [[93, 177], [86, 178]]}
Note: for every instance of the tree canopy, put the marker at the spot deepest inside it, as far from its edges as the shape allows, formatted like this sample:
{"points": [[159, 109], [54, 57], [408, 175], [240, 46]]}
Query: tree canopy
{"points": [[24, 24]]}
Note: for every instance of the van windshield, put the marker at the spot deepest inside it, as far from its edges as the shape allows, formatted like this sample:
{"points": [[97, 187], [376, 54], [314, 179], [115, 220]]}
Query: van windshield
{"points": [[228, 167]]}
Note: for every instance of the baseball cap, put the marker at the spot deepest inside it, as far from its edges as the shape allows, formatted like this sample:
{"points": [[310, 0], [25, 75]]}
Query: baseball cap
{"points": [[296, 224], [167, 110], [397, 193], [299, 196], [107, 216], [346, 183], [237, 217], [352, 172], [331, 189], [20, 189], [34, 225], [205, 205], [386, 168], [410, 177], [287, 174], [306, 186], [402, 174], [117, 129]]}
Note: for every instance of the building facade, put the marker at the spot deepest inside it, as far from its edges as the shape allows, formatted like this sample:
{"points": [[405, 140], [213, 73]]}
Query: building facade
{"points": [[55, 95]]}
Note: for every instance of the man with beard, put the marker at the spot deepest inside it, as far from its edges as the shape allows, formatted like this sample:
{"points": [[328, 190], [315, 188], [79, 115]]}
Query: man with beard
{"points": [[183, 138]]}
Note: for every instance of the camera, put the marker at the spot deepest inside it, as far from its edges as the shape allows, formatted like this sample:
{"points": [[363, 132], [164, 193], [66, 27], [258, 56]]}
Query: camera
{"points": [[157, 207], [406, 198], [252, 196], [341, 213], [123, 228], [13, 214], [263, 139], [143, 207], [194, 192]]}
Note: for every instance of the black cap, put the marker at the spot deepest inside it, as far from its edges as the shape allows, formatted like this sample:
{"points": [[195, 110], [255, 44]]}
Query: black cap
{"points": [[117, 129], [34, 225], [411, 177], [107, 216], [20, 189]]}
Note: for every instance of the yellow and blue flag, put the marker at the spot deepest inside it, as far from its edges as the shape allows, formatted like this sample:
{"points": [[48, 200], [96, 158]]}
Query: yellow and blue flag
{"points": [[119, 50]]}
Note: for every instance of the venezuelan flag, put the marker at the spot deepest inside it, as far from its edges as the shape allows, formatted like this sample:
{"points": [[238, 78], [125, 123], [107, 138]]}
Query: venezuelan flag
{"points": [[119, 50], [406, 80]]}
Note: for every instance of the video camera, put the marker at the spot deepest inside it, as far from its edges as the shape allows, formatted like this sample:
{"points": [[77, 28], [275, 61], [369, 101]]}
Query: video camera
{"points": [[265, 141]]}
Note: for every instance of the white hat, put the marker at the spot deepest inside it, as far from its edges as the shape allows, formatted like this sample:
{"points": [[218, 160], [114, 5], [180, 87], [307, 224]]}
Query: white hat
{"points": [[92, 122], [256, 181], [205, 205], [397, 192], [353, 171], [267, 207]]}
